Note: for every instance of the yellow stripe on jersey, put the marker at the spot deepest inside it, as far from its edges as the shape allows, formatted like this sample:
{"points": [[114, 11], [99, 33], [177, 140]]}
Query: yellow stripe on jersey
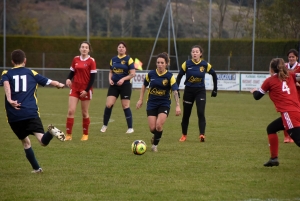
{"points": [[35, 97], [183, 66], [110, 63], [173, 80], [4, 72], [147, 78], [208, 67], [130, 61], [34, 72]]}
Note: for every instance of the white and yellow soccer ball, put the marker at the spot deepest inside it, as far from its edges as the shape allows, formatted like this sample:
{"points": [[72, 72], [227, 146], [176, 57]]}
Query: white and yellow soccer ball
{"points": [[138, 147]]}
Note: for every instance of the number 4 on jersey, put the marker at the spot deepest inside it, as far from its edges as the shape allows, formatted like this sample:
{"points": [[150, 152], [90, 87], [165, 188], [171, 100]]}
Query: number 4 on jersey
{"points": [[285, 87]]}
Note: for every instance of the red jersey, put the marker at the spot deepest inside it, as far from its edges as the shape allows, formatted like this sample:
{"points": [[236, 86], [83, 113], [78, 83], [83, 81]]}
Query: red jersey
{"points": [[282, 93], [82, 69], [296, 69]]}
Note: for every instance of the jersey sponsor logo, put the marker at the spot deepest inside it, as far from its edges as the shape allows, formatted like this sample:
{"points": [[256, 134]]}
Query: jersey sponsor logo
{"points": [[202, 69], [117, 71], [165, 82], [193, 79], [157, 92]]}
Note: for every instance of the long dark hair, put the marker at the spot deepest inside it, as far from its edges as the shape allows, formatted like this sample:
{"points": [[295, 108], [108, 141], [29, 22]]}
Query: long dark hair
{"points": [[278, 66]]}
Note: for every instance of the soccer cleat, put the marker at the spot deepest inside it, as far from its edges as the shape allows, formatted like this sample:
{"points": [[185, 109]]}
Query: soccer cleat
{"points": [[68, 137], [130, 130], [56, 132], [272, 162], [40, 170], [84, 137], [154, 148], [183, 138], [103, 129], [202, 138]]}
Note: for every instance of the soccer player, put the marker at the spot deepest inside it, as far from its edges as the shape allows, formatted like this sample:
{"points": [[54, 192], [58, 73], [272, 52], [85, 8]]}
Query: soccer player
{"points": [[282, 91], [20, 86], [292, 65], [121, 72], [80, 80], [195, 70], [161, 83]]}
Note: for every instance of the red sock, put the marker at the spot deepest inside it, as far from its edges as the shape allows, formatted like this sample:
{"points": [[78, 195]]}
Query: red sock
{"points": [[85, 125], [69, 125], [273, 144]]}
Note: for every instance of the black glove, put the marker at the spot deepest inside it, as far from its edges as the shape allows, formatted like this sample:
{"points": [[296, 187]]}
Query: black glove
{"points": [[213, 93], [178, 93]]}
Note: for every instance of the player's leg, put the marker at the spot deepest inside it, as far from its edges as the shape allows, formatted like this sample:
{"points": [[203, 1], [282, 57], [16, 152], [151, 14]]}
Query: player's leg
{"points": [[287, 138], [163, 113], [200, 103], [152, 117], [73, 101], [188, 101], [30, 155], [85, 104], [112, 95], [125, 101], [295, 135], [272, 130]]}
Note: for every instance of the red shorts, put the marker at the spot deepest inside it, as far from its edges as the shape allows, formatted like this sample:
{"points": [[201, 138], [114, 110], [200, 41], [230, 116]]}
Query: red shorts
{"points": [[290, 119], [76, 93]]}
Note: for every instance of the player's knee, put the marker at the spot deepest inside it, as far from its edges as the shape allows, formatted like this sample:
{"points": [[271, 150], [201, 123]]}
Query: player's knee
{"points": [[26, 143], [109, 106], [270, 129]]}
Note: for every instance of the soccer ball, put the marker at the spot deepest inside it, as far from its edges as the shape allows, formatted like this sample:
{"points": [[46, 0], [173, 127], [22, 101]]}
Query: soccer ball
{"points": [[138, 147]]}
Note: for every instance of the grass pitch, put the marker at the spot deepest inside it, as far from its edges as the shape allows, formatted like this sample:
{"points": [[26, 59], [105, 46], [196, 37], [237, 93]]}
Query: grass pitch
{"points": [[228, 166]]}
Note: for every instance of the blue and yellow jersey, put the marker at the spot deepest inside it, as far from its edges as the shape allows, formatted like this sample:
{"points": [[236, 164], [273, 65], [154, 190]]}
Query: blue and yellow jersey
{"points": [[23, 85], [120, 67], [160, 87], [195, 72]]}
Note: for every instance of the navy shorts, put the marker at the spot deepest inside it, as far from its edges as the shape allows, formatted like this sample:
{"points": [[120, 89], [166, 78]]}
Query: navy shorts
{"points": [[155, 112], [27, 127], [124, 91]]}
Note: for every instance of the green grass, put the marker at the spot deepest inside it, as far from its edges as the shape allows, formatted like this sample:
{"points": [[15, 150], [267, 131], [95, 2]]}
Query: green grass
{"points": [[228, 166]]}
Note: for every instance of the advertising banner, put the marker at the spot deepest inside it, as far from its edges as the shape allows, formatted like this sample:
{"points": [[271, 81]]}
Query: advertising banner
{"points": [[250, 81], [229, 82]]}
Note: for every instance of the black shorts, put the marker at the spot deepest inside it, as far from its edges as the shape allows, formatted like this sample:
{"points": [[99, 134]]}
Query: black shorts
{"points": [[158, 110], [124, 91], [193, 93], [27, 127]]}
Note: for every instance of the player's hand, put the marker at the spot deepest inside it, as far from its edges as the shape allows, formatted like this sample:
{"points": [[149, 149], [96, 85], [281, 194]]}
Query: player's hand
{"points": [[253, 90], [15, 104], [139, 104], [120, 82], [60, 86], [213, 93], [178, 111], [69, 83], [83, 94], [111, 82]]}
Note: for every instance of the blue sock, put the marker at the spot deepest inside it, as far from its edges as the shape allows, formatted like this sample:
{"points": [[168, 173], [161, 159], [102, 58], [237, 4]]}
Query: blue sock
{"points": [[128, 117], [47, 137], [107, 114], [31, 158]]}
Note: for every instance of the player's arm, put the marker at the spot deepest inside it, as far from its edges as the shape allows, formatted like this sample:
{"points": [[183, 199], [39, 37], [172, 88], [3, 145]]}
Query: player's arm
{"points": [[140, 101], [91, 82], [55, 84], [215, 81], [175, 88], [13, 103], [69, 78], [257, 94]]}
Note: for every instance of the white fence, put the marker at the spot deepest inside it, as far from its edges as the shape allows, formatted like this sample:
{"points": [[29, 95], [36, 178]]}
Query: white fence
{"points": [[227, 80]]}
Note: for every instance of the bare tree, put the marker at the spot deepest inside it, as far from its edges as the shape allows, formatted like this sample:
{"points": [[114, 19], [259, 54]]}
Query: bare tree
{"points": [[222, 6]]}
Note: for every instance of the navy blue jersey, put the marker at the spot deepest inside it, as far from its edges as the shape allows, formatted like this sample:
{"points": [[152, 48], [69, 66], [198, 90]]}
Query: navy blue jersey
{"points": [[195, 72], [120, 67], [23, 85], [160, 87]]}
